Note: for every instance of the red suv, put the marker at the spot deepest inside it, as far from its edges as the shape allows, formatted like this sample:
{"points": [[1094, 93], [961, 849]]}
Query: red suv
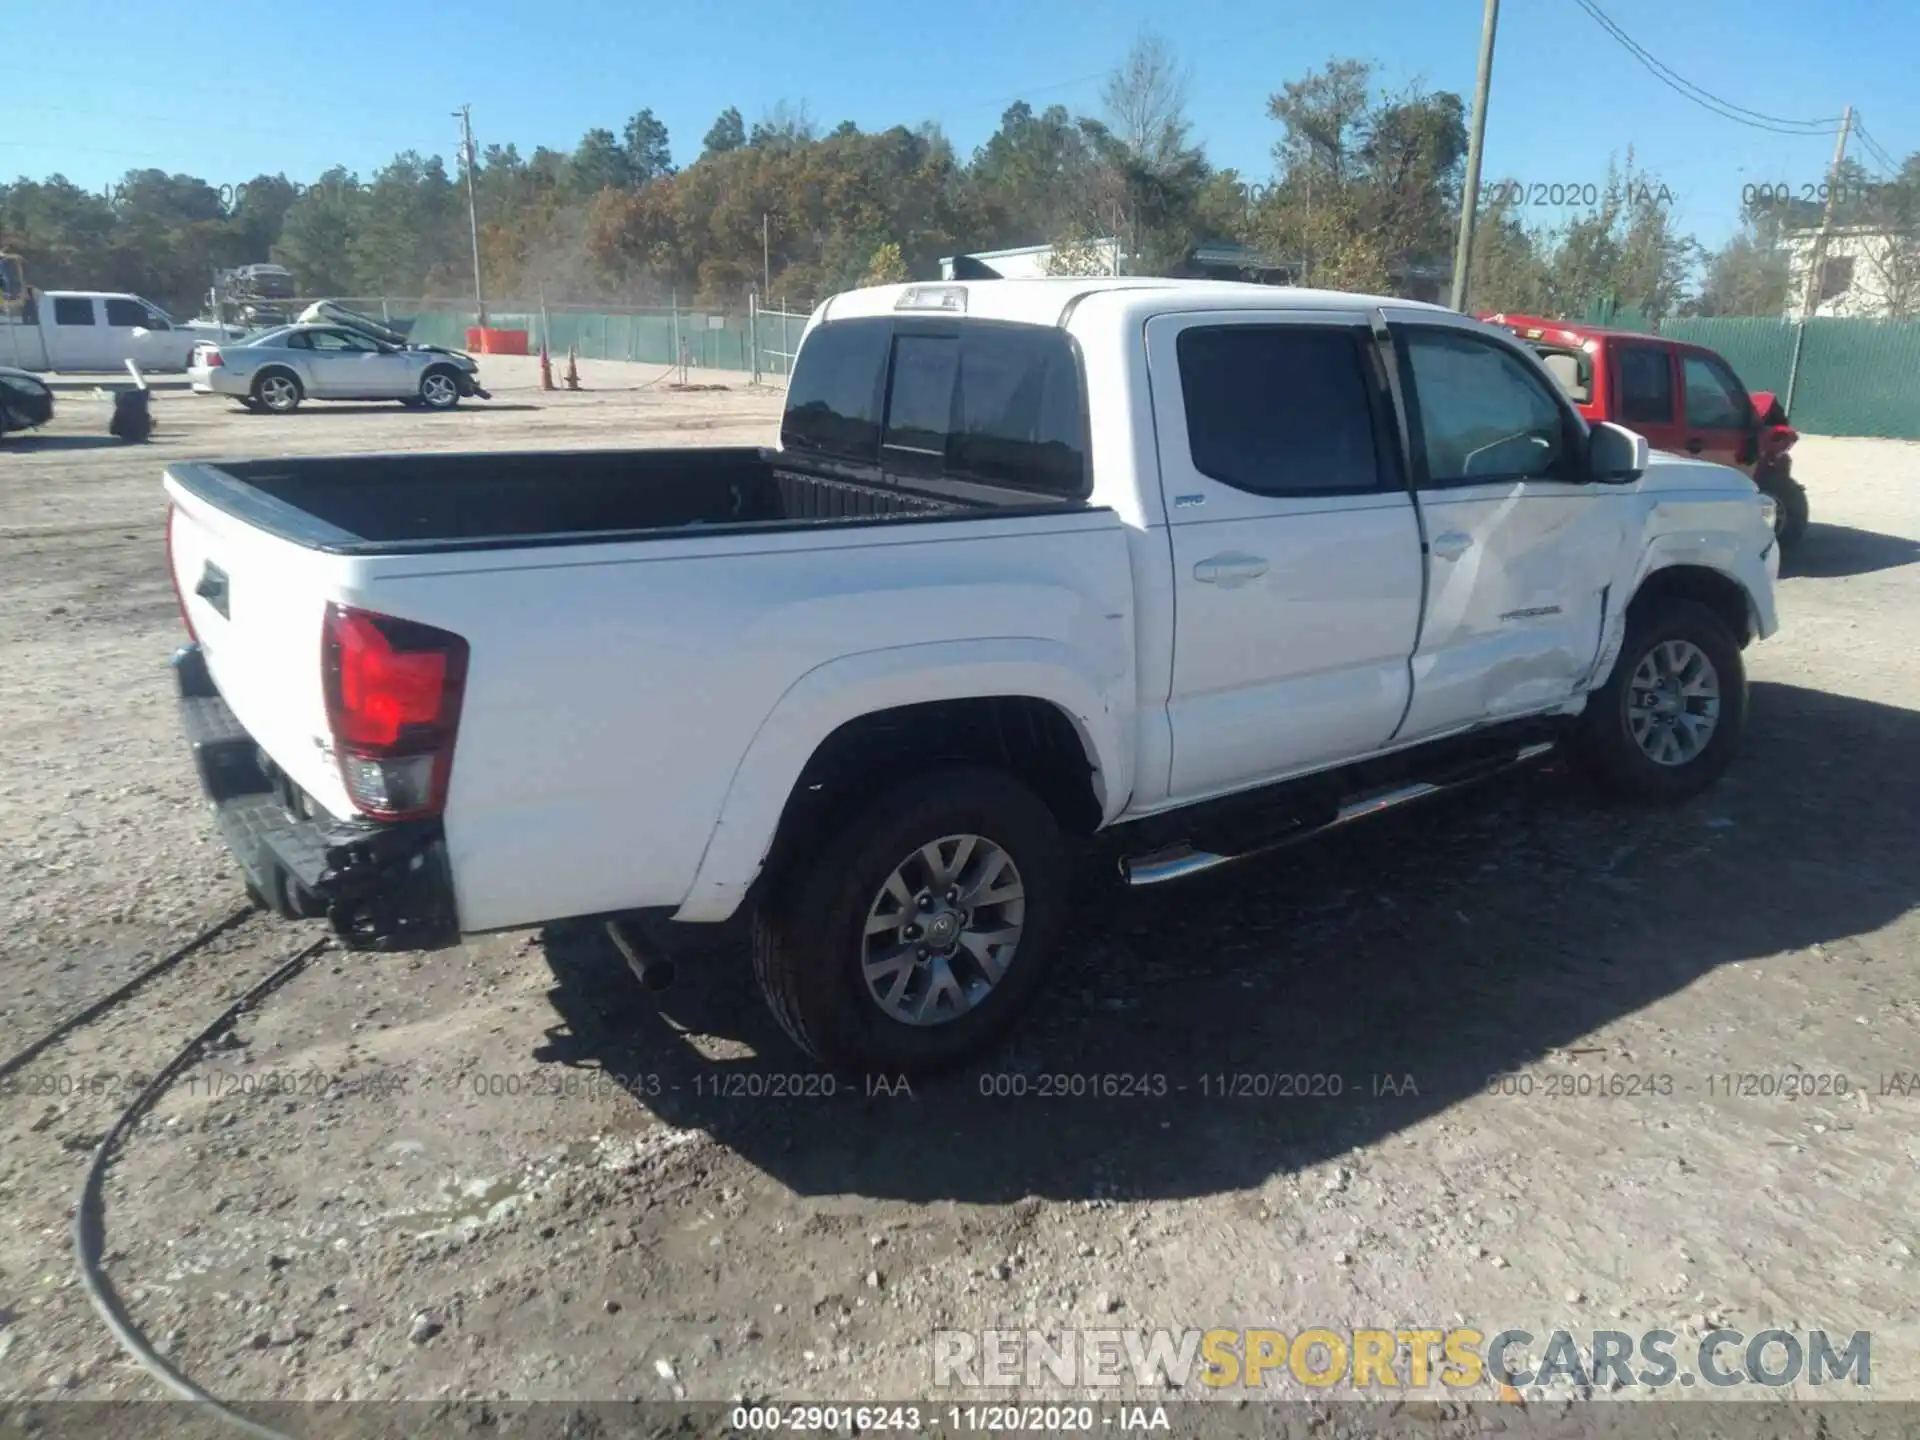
{"points": [[1683, 398]]}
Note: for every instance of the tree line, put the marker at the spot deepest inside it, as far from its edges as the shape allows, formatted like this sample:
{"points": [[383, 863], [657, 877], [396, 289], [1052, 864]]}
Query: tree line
{"points": [[1364, 194]]}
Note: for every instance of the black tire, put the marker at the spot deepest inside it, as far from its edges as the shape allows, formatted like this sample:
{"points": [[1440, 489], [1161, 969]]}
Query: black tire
{"points": [[275, 397], [248, 404], [440, 388], [1603, 740], [809, 932], [1790, 524]]}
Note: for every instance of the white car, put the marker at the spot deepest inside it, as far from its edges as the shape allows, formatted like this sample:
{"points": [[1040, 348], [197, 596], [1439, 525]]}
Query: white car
{"points": [[1209, 566], [278, 369]]}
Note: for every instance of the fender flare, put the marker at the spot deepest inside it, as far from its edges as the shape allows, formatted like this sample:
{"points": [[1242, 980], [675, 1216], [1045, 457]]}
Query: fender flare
{"points": [[1718, 553], [846, 688]]}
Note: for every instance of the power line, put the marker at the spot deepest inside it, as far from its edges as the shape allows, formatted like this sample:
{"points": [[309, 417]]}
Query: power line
{"points": [[1673, 80], [1887, 164]]}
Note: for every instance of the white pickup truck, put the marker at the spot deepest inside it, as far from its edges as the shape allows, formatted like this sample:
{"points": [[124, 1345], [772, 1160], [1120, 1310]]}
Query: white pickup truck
{"points": [[1219, 565]]}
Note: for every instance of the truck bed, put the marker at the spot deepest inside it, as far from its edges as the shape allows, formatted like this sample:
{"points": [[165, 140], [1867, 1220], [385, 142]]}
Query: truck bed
{"points": [[371, 504]]}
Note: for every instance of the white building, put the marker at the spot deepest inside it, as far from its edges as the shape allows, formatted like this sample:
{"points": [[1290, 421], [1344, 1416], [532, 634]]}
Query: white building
{"points": [[1866, 272]]}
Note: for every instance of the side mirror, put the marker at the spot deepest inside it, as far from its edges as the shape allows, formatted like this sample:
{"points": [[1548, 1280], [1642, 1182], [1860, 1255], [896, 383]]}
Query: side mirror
{"points": [[1615, 454]]}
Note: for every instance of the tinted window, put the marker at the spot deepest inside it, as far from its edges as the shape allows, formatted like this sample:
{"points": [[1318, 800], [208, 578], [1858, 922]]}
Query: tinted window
{"points": [[1483, 412], [833, 400], [72, 310], [125, 313], [1019, 418], [1646, 385], [920, 405], [1279, 410], [1715, 400]]}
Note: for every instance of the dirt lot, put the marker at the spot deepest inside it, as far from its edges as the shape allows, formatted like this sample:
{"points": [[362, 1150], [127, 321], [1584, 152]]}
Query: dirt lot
{"points": [[691, 1236]]}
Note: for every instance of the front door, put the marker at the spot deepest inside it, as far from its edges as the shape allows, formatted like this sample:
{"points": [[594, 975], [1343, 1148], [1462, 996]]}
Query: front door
{"points": [[1521, 546], [1719, 418], [1296, 554], [347, 366]]}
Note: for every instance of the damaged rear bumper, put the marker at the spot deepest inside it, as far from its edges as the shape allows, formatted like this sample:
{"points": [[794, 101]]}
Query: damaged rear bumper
{"points": [[382, 886]]}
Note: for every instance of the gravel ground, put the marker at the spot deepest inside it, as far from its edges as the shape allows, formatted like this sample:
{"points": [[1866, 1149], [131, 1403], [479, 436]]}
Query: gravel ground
{"points": [[413, 1175]]}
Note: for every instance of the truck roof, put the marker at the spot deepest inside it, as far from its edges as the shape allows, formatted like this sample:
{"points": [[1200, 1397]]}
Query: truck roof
{"points": [[1044, 301], [1539, 327]]}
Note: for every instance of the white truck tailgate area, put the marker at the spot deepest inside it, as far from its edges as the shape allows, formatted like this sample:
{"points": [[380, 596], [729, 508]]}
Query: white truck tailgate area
{"points": [[256, 604]]}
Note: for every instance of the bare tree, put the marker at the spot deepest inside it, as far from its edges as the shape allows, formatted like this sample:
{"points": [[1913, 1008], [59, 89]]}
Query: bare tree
{"points": [[1891, 262], [1146, 102]]}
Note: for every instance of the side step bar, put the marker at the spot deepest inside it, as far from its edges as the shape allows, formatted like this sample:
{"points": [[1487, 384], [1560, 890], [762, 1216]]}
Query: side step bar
{"points": [[1180, 861]]}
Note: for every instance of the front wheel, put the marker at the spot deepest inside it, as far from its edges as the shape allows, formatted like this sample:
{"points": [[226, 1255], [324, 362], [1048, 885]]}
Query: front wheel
{"points": [[1790, 518], [1668, 720], [439, 390], [910, 938]]}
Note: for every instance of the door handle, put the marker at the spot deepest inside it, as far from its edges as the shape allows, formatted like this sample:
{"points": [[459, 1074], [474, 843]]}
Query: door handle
{"points": [[1695, 446], [1230, 569], [1452, 545]]}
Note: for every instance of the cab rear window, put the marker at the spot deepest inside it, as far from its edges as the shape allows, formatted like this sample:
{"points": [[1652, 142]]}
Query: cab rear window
{"points": [[992, 403], [1572, 370]]}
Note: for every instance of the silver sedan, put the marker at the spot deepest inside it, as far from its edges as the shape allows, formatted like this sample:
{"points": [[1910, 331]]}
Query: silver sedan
{"points": [[279, 368]]}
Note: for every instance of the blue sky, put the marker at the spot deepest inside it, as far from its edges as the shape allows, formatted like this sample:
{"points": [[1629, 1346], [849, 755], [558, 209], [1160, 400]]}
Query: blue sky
{"points": [[195, 87]]}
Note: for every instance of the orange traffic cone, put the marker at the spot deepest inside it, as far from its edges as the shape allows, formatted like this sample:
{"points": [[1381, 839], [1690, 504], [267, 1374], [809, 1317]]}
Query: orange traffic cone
{"points": [[573, 370], [546, 368]]}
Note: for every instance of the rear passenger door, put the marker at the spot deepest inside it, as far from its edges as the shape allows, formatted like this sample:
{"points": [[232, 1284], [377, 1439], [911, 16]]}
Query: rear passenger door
{"points": [[1646, 392], [75, 338], [1521, 543], [1296, 554]]}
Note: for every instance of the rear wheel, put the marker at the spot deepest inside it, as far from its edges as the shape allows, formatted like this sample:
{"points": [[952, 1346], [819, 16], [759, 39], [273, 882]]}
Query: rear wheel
{"points": [[277, 391], [912, 936], [1667, 722], [439, 389]]}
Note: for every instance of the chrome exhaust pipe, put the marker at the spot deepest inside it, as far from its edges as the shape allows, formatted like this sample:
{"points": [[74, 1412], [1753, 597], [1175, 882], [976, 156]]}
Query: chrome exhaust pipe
{"points": [[650, 967]]}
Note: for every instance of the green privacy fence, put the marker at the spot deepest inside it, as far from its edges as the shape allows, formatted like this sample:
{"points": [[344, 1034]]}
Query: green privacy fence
{"points": [[1835, 376], [710, 340], [1760, 350]]}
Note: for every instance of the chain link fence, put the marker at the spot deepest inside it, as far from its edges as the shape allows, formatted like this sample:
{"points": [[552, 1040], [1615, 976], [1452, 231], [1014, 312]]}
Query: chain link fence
{"points": [[747, 338]]}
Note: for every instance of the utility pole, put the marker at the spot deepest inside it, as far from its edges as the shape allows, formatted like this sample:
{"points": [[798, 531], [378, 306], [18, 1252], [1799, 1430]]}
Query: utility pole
{"points": [[1818, 259], [766, 258], [1470, 197], [465, 115]]}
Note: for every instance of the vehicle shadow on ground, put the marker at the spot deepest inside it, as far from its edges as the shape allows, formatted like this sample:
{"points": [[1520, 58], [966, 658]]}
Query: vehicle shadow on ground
{"points": [[61, 442], [1435, 949], [1829, 552], [391, 407]]}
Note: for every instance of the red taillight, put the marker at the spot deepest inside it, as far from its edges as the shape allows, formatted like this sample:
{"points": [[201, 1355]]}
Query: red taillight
{"points": [[393, 703], [211, 358], [173, 577]]}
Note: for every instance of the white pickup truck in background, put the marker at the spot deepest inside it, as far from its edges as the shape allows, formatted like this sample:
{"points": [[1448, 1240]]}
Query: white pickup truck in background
{"points": [[80, 331], [1218, 564]]}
